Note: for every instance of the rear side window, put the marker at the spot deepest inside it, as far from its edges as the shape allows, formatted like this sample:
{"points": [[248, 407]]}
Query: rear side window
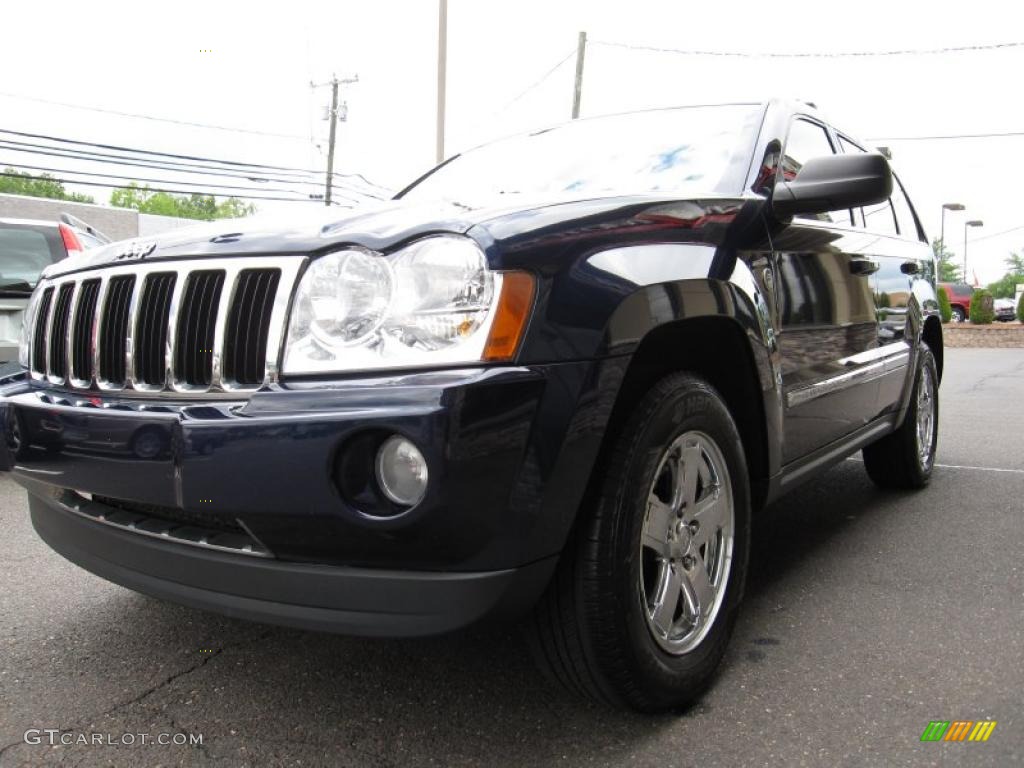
{"points": [[904, 213], [24, 252], [807, 140], [879, 218]]}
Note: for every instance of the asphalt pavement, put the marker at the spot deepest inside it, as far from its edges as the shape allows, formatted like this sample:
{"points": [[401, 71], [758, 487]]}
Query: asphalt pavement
{"points": [[868, 614]]}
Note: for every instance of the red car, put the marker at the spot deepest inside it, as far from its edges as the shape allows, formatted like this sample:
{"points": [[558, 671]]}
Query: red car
{"points": [[959, 299]]}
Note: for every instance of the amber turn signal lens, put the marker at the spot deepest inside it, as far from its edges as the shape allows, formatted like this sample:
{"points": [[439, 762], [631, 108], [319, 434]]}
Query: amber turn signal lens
{"points": [[512, 314]]}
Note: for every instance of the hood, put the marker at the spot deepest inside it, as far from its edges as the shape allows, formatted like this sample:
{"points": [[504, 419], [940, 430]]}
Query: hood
{"points": [[378, 227]]}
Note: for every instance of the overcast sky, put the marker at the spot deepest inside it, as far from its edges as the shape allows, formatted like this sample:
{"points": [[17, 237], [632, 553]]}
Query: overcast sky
{"points": [[123, 57]]}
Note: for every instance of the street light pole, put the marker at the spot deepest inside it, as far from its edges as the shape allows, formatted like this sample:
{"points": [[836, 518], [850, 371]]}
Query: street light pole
{"points": [[972, 223], [947, 207]]}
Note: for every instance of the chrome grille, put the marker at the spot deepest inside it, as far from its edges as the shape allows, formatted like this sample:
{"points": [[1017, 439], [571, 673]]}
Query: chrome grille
{"points": [[181, 328]]}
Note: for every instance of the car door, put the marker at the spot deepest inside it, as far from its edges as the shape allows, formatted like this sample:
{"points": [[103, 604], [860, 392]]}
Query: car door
{"points": [[902, 286], [828, 326]]}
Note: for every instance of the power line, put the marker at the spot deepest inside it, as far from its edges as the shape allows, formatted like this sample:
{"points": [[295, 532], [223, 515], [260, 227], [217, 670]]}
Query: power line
{"points": [[139, 178], [950, 136], [107, 159], [172, 155], [996, 234], [156, 189], [160, 165], [261, 168], [537, 84], [350, 194], [154, 118], [815, 55]]}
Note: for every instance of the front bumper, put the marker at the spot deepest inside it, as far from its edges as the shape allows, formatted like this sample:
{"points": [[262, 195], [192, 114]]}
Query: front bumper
{"points": [[356, 601], [509, 451]]}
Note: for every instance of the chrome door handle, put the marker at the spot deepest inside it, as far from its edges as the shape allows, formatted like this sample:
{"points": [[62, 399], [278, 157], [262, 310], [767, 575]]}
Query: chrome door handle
{"points": [[863, 267]]}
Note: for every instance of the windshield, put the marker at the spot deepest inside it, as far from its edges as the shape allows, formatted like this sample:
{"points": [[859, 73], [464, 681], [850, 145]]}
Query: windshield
{"points": [[679, 151], [25, 250]]}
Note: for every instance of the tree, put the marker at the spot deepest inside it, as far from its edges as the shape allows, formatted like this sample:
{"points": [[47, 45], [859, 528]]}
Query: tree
{"points": [[15, 183], [982, 311], [1006, 286], [948, 271], [945, 309], [1020, 308], [194, 206]]}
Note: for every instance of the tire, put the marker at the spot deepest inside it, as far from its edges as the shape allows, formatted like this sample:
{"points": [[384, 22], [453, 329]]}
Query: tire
{"points": [[958, 315], [600, 628], [905, 458]]}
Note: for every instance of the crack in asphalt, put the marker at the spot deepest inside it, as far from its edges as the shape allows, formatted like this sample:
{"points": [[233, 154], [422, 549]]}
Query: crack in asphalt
{"points": [[9, 746], [150, 691]]}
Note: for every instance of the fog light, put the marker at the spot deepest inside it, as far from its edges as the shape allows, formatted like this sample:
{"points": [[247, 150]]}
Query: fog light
{"points": [[401, 471]]}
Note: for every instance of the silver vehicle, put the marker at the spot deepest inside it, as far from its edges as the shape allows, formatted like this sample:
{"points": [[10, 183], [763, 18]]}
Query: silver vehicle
{"points": [[27, 246], [1005, 309]]}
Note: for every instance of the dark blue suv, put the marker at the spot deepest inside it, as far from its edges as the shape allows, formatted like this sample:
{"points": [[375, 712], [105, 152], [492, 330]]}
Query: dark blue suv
{"points": [[552, 379]]}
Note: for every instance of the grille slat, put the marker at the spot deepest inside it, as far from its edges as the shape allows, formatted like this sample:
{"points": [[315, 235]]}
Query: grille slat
{"points": [[151, 328], [39, 332], [57, 364], [82, 331], [172, 328], [193, 360], [245, 349], [114, 330]]}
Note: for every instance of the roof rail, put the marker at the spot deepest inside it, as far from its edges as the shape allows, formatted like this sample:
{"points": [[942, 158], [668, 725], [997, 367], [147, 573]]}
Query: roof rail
{"points": [[77, 223]]}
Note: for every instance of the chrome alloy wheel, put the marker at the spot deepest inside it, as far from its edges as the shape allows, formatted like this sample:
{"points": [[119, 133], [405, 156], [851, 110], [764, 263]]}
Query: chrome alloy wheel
{"points": [[925, 419], [686, 542]]}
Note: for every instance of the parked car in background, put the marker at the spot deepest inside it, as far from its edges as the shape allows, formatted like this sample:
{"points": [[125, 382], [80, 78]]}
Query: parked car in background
{"points": [[27, 246], [959, 300], [1005, 309]]}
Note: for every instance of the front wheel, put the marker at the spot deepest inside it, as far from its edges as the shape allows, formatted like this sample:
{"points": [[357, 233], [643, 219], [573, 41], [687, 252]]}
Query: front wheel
{"points": [[644, 600], [958, 315], [905, 458]]}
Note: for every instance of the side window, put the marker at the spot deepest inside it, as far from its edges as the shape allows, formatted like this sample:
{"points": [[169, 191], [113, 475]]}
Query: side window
{"points": [[880, 218], [904, 213], [807, 140]]}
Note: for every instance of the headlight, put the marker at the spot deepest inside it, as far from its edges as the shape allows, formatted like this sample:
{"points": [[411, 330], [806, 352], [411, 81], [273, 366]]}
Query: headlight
{"points": [[27, 322], [433, 302]]}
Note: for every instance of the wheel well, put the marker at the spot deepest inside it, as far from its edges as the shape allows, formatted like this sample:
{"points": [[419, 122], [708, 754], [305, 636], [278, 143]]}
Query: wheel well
{"points": [[932, 335], [716, 349]]}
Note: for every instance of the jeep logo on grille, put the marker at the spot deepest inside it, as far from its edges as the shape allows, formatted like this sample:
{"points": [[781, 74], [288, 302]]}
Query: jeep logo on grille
{"points": [[136, 250]]}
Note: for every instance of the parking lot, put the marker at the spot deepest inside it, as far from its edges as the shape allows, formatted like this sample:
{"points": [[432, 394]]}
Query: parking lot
{"points": [[868, 614]]}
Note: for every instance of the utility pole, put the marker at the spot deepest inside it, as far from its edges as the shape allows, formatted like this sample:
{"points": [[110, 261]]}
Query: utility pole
{"points": [[577, 92], [442, 64], [330, 142], [333, 116]]}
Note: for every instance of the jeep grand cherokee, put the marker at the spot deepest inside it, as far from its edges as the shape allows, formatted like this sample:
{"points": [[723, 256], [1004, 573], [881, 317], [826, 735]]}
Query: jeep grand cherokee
{"points": [[554, 377]]}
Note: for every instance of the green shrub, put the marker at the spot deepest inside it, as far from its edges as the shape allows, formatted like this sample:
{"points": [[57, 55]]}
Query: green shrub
{"points": [[1020, 308], [982, 307], [945, 310]]}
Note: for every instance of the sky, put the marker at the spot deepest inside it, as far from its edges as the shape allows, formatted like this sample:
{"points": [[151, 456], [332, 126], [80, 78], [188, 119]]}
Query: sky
{"points": [[249, 66]]}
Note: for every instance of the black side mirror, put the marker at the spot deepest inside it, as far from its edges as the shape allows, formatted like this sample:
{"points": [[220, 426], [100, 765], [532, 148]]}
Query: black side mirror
{"points": [[834, 182]]}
